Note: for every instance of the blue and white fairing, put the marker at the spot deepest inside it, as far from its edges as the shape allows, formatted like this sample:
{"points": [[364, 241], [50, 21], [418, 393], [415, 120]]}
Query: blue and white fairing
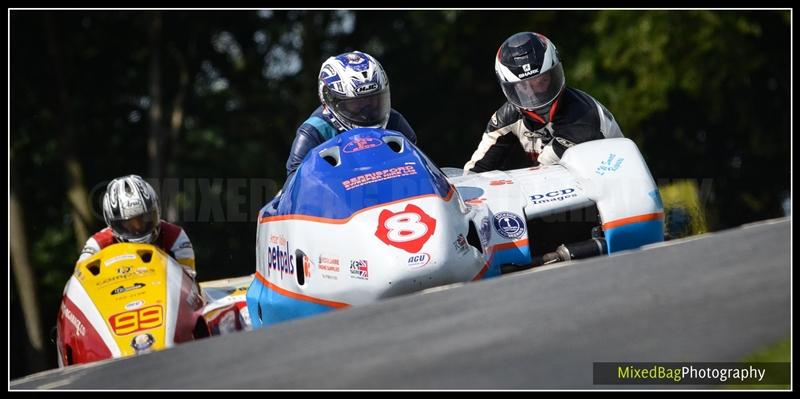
{"points": [[368, 216], [609, 174]]}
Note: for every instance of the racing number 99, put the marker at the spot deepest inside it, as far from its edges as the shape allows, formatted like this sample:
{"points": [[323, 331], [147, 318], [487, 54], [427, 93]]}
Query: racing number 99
{"points": [[137, 320]]}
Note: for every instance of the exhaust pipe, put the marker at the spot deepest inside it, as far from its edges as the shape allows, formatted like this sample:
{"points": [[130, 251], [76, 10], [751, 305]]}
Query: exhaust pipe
{"points": [[578, 250], [565, 252]]}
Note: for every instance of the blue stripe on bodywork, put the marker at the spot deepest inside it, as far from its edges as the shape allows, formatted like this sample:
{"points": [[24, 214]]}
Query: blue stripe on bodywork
{"points": [[517, 255], [634, 235], [253, 296], [275, 308]]}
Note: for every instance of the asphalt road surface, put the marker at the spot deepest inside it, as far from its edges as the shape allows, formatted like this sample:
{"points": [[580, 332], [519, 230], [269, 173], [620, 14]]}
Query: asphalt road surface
{"points": [[717, 297]]}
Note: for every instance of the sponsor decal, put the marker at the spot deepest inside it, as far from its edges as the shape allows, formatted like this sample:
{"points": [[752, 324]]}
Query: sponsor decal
{"points": [[121, 289], [142, 342], [124, 273], [279, 257], [460, 243], [408, 230], [185, 244], [328, 267], [610, 165], [553, 196], [359, 269], [81, 330], [366, 88], [278, 240], [418, 260], [528, 72], [328, 264], [358, 144], [137, 320], [526, 68], [379, 175], [485, 231], [132, 203], [88, 250], [134, 305], [116, 259], [307, 265], [111, 280], [509, 225], [500, 182]]}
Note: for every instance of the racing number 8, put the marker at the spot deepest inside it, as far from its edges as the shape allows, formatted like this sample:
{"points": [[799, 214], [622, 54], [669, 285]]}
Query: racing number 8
{"points": [[406, 226], [408, 230]]}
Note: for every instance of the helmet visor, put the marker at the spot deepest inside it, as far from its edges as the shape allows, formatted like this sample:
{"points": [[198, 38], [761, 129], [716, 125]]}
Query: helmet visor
{"points": [[369, 110], [136, 227], [537, 91]]}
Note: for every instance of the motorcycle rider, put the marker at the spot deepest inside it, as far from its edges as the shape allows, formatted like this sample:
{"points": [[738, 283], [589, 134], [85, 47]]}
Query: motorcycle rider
{"points": [[354, 91], [542, 114], [132, 213]]}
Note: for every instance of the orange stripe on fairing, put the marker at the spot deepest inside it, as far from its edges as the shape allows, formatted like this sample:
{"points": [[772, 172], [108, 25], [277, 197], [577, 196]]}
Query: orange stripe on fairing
{"points": [[484, 269], [297, 296], [512, 244], [495, 249], [633, 219], [347, 219]]}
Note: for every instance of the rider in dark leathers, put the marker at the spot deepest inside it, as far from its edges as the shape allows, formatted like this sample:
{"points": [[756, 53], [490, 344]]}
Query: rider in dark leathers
{"points": [[346, 106], [542, 115]]}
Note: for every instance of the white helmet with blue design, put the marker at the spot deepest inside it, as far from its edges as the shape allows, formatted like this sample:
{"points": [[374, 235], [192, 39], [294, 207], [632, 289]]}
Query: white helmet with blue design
{"points": [[354, 91]]}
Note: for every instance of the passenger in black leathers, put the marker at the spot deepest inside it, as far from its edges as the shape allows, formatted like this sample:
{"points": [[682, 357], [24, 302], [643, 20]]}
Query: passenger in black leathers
{"points": [[541, 115]]}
